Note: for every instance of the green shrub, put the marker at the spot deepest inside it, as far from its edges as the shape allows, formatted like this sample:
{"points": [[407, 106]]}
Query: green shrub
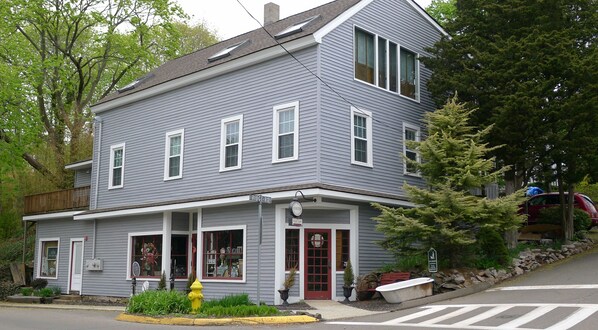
{"points": [[235, 305], [229, 301], [39, 283], [27, 291], [238, 311], [554, 215], [56, 290], [162, 283], [492, 247], [348, 275], [45, 292], [7, 289], [159, 302]]}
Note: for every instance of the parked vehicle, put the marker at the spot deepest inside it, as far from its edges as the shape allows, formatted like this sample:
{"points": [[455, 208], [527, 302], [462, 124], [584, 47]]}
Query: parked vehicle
{"points": [[538, 202]]}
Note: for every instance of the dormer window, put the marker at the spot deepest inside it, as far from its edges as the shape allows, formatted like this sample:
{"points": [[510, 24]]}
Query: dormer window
{"points": [[226, 51], [296, 28], [135, 83]]}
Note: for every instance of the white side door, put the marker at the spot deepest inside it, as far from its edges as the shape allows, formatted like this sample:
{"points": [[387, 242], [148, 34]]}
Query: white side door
{"points": [[76, 265]]}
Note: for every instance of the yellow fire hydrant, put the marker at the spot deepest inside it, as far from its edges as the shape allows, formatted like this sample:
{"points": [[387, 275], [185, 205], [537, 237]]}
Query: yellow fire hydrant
{"points": [[196, 296]]}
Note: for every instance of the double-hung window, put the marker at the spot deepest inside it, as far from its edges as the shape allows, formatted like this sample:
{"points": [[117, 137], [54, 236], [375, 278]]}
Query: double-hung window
{"points": [[409, 69], [410, 133], [381, 62], [117, 166], [48, 258], [285, 140], [173, 160], [231, 145], [361, 137]]}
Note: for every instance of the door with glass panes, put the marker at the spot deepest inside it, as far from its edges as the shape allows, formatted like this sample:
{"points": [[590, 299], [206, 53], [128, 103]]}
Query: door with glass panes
{"points": [[317, 264]]}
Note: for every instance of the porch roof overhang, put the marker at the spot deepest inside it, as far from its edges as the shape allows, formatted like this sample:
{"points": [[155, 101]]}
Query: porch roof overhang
{"points": [[277, 194], [51, 216]]}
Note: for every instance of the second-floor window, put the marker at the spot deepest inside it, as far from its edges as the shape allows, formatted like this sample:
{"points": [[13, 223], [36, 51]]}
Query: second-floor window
{"points": [[117, 166], [410, 133], [361, 137], [285, 144], [408, 73], [231, 145], [173, 162], [381, 62]]}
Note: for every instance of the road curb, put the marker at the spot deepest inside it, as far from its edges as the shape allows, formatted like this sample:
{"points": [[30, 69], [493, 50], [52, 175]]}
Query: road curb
{"points": [[290, 319]]}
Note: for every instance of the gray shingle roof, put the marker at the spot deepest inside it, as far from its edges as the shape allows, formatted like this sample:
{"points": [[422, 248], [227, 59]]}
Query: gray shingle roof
{"points": [[258, 40]]}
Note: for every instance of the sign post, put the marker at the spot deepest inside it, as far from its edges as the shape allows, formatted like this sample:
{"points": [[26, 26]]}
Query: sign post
{"points": [[260, 199], [432, 262]]}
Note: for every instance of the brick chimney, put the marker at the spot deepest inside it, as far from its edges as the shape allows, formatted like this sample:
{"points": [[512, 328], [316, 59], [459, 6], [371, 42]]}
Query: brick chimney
{"points": [[271, 13]]}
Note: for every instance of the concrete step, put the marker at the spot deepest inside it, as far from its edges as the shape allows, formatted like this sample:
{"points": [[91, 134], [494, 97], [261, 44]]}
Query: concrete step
{"points": [[70, 297]]}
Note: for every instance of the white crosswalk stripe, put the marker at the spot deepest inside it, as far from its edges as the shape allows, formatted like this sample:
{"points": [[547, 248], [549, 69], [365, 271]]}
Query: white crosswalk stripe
{"points": [[439, 316]]}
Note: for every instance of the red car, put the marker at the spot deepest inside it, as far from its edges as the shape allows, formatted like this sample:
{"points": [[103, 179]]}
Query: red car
{"points": [[533, 206]]}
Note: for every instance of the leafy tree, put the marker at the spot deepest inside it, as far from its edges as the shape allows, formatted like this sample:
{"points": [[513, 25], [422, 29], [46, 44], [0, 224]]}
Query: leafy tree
{"points": [[447, 216], [443, 11], [57, 57], [531, 67], [60, 56]]}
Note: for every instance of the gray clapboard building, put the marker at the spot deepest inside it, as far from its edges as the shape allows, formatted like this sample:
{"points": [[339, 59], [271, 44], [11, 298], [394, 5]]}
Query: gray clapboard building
{"points": [[179, 152]]}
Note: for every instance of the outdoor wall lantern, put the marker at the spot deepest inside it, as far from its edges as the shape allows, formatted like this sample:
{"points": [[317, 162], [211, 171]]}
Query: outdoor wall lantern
{"points": [[296, 209]]}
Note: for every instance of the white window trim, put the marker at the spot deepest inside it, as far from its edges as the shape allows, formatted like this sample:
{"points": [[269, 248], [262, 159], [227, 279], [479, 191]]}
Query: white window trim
{"points": [[275, 124], [40, 257], [375, 84], [170, 135], [111, 173], [200, 253], [417, 130], [223, 124], [130, 248], [368, 116]]}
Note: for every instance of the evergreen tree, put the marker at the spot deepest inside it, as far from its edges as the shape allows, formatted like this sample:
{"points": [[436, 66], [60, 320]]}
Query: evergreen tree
{"points": [[531, 68], [447, 216]]}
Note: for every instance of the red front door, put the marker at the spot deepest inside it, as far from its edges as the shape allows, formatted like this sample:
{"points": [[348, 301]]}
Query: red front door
{"points": [[317, 264]]}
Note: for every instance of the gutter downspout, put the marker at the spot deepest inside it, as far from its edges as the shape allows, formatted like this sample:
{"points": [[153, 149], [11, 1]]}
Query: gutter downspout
{"points": [[98, 121]]}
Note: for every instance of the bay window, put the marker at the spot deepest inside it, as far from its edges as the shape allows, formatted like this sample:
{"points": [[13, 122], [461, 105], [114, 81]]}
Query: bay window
{"points": [[381, 62]]}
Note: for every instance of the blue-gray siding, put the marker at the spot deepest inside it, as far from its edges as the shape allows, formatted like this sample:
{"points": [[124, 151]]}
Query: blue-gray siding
{"points": [[199, 109], [64, 229], [111, 245], [246, 215], [324, 146], [82, 178], [371, 255], [389, 110]]}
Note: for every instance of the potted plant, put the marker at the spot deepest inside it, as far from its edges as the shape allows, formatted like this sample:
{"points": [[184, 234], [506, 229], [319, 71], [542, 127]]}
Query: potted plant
{"points": [[348, 279], [289, 281]]}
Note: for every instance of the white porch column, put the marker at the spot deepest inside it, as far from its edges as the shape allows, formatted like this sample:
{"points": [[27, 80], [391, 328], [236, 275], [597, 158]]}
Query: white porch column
{"points": [[166, 239]]}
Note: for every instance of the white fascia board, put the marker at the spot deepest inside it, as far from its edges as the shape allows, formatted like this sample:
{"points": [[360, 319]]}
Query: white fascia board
{"points": [[340, 19], [427, 16], [77, 166], [312, 192], [234, 65], [51, 216]]}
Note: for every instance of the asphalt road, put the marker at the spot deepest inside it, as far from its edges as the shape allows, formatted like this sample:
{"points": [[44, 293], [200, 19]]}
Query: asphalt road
{"points": [[557, 297]]}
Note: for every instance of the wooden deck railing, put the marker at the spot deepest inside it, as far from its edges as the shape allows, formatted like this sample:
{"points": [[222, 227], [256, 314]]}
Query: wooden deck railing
{"points": [[63, 200]]}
